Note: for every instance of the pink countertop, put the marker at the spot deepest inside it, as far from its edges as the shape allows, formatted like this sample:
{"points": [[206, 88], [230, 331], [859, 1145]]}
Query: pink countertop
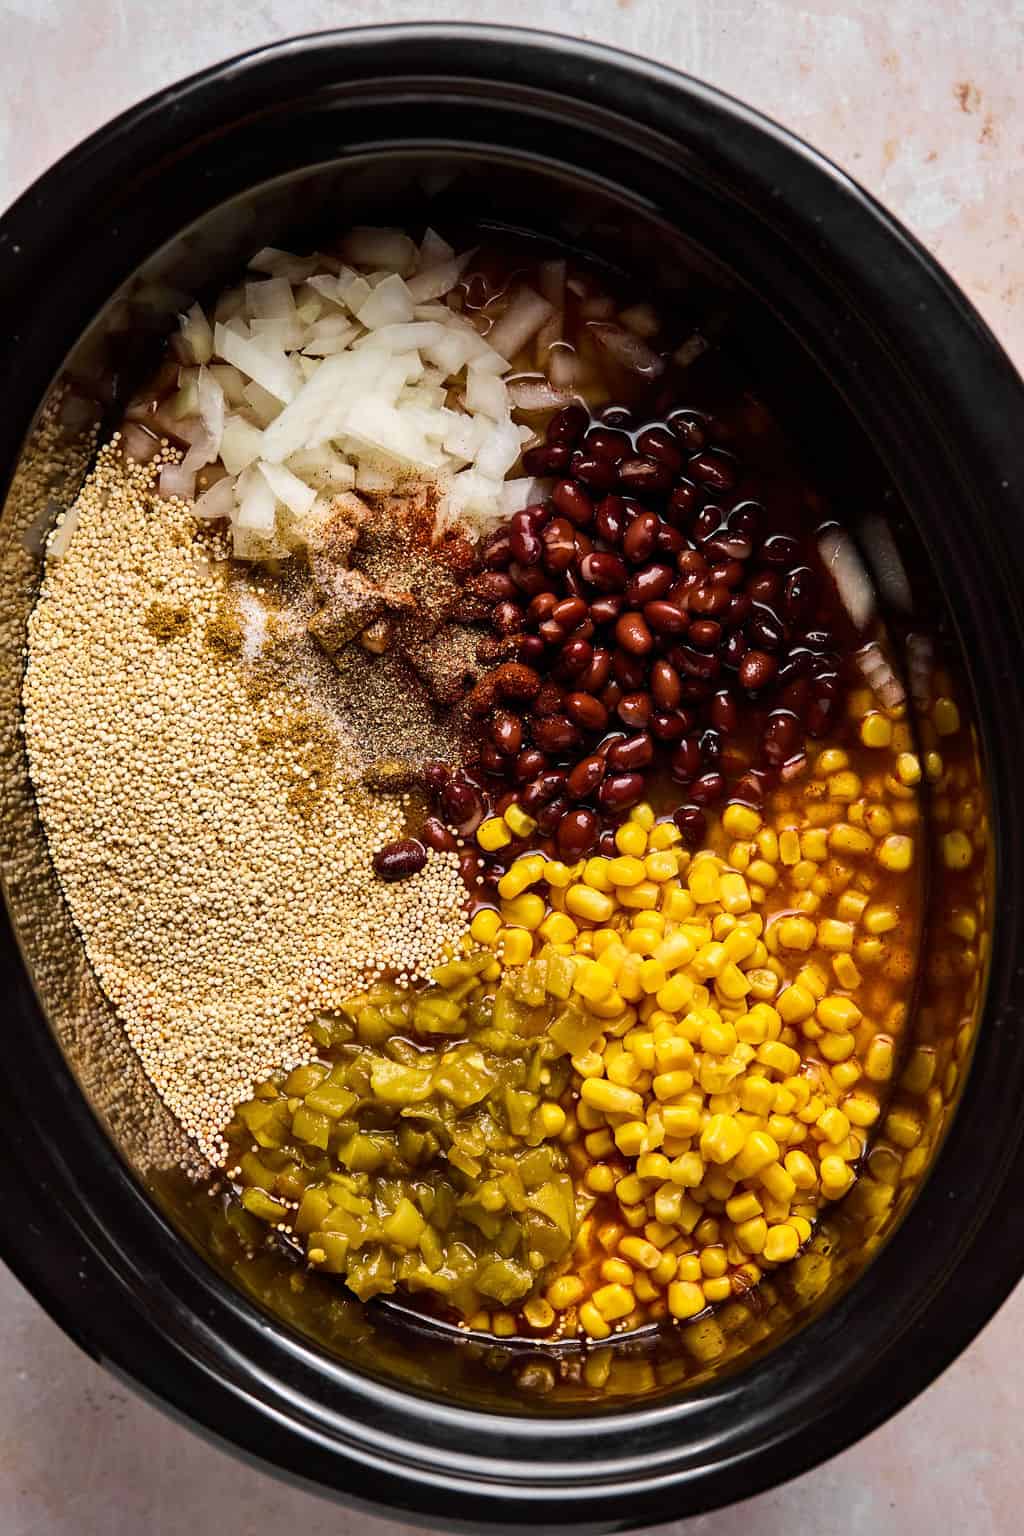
{"points": [[923, 102]]}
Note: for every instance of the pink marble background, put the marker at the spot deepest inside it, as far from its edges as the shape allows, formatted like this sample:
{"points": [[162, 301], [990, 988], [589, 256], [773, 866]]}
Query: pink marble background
{"points": [[923, 102]]}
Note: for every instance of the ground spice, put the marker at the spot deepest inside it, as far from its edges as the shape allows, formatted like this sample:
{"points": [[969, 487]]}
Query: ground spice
{"points": [[167, 623]]}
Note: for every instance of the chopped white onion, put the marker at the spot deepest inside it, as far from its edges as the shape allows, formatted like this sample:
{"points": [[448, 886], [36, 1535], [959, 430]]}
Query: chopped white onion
{"points": [[211, 409], [840, 558], [279, 335], [60, 538], [500, 451], [196, 335], [486, 392], [890, 572], [520, 322], [641, 319], [202, 452], [629, 350], [433, 250], [517, 494], [296, 495], [323, 468], [368, 247], [261, 405], [692, 348], [563, 366], [231, 382], [275, 374], [257, 504], [176, 480], [270, 300], [283, 264], [241, 443], [390, 303], [434, 282], [920, 669], [402, 336], [218, 501], [538, 395], [879, 676]]}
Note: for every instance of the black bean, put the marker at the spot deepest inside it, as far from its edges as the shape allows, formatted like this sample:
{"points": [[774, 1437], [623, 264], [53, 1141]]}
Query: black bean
{"points": [[669, 724], [597, 474], [708, 788], [692, 823], [607, 443], [798, 594], [780, 549], [724, 714], [782, 737], [621, 790], [765, 628], [547, 459], [757, 669], [644, 477], [399, 860], [572, 501], [688, 426], [634, 753], [567, 425], [685, 761], [577, 833], [661, 444]]}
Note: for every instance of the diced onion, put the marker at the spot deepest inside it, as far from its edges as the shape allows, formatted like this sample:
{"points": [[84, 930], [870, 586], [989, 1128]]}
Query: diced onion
{"points": [[920, 669], [368, 247], [517, 494], [257, 504], [538, 395], [390, 303], [563, 366], [275, 374], [692, 348], [218, 501], [283, 264], [176, 480], [500, 451], [890, 572], [641, 320], [433, 250], [485, 392], [270, 300], [840, 558], [879, 676], [196, 335], [57, 546], [520, 322], [434, 282], [296, 495], [211, 409], [629, 350]]}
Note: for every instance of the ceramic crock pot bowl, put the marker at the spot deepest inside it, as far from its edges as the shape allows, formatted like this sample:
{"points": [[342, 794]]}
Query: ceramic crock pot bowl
{"points": [[910, 419]]}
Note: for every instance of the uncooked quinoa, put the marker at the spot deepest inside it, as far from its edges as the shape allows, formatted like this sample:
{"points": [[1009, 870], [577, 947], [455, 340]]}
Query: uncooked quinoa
{"points": [[220, 912]]}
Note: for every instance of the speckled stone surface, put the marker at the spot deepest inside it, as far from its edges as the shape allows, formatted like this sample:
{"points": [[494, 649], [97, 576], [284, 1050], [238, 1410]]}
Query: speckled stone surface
{"points": [[923, 102]]}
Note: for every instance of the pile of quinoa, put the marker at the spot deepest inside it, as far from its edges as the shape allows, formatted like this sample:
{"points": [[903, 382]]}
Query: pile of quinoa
{"points": [[214, 853]]}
